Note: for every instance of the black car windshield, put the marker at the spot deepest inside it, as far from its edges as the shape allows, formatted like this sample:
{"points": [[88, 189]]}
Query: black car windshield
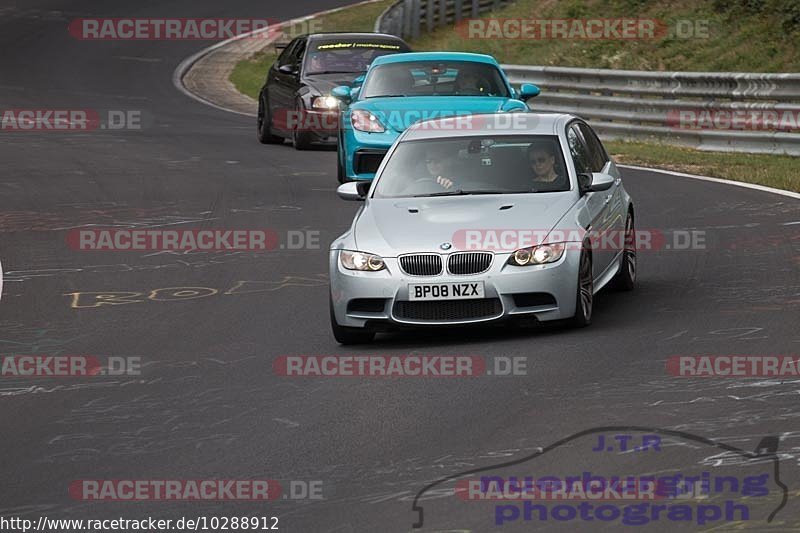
{"points": [[474, 165], [347, 56], [435, 78]]}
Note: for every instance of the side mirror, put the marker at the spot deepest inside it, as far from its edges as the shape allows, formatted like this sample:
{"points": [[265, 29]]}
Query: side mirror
{"points": [[528, 91], [342, 93], [354, 191], [595, 182], [291, 70]]}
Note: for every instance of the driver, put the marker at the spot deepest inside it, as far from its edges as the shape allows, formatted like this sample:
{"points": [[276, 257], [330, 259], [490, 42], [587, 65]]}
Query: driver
{"points": [[438, 165], [542, 160], [471, 83]]}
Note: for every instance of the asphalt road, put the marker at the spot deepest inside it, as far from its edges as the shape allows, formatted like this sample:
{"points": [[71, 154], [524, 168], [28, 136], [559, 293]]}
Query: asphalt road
{"points": [[208, 404]]}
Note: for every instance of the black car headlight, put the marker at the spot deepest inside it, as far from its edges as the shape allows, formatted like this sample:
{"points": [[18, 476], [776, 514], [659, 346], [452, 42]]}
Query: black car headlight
{"points": [[352, 260], [327, 103], [538, 255]]}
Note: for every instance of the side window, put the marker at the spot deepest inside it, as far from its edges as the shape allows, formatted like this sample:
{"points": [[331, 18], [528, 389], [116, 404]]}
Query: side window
{"points": [[597, 154], [299, 52], [578, 150], [286, 56]]}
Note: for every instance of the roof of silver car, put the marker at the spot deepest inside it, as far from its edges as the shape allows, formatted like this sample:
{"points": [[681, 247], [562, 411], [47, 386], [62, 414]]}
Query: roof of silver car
{"points": [[495, 124]]}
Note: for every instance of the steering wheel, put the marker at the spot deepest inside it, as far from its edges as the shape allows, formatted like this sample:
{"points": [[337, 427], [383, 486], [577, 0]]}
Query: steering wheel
{"points": [[433, 186]]}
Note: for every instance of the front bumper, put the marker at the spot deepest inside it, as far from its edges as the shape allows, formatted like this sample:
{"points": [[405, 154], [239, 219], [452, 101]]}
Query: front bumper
{"points": [[321, 126], [546, 292], [363, 152]]}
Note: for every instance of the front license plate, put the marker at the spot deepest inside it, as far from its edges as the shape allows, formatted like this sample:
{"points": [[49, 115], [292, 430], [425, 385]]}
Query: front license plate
{"points": [[445, 291]]}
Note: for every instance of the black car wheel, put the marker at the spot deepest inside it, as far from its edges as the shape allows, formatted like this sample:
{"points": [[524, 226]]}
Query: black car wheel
{"points": [[340, 170], [584, 299], [265, 135], [300, 139], [626, 277]]}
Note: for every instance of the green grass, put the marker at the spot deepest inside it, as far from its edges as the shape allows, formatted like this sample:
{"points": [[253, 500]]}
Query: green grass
{"points": [[742, 35], [248, 75], [778, 171]]}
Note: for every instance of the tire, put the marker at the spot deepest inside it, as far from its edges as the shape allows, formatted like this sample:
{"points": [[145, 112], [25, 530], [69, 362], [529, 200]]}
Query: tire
{"points": [[584, 298], [347, 336], [626, 277], [265, 135], [301, 140], [340, 173]]}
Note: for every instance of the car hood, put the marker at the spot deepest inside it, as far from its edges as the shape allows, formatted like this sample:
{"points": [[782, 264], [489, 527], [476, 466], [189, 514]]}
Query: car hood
{"points": [[401, 112], [391, 227]]}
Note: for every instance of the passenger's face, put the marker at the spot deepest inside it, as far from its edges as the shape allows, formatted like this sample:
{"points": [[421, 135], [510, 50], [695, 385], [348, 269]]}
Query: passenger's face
{"points": [[541, 162]]}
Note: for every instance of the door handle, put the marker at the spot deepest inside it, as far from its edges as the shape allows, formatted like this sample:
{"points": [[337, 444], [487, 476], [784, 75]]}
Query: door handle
{"points": [[609, 197]]}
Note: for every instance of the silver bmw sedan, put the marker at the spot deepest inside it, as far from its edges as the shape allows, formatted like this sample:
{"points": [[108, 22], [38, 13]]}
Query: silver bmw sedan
{"points": [[479, 218]]}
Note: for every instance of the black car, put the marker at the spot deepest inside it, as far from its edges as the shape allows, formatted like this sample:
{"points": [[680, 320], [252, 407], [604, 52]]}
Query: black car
{"points": [[295, 101]]}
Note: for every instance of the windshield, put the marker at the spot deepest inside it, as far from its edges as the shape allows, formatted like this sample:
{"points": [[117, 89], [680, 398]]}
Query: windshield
{"points": [[347, 57], [474, 165], [435, 78]]}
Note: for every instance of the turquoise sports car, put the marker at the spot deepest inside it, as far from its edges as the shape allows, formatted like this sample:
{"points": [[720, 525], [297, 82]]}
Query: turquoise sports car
{"points": [[402, 89]]}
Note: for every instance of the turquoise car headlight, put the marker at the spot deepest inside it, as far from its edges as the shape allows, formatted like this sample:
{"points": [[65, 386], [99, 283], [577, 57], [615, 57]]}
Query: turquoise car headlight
{"points": [[352, 260], [537, 255], [365, 121]]}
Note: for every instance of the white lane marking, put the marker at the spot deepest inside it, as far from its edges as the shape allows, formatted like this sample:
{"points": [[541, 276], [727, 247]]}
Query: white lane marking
{"points": [[790, 223], [762, 188]]}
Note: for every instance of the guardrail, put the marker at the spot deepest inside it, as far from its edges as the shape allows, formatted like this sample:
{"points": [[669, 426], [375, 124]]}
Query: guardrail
{"points": [[409, 18], [695, 109], [639, 105]]}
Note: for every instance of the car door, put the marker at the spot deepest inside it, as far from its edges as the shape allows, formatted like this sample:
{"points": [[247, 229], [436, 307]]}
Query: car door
{"points": [[281, 92], [601, 162], [595, 202]]}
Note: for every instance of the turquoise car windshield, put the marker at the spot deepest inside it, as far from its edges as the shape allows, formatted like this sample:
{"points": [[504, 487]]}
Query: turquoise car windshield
{"points": [[474, 165], [435, 78]]}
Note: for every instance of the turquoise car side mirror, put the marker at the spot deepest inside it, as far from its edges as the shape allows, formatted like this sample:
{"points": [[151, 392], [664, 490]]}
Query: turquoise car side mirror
{"points": [[528, 91], [342, 93]]}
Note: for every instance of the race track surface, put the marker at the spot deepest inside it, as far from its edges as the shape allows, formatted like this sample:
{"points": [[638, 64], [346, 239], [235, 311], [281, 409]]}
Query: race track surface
{"points": [[208, 404]]}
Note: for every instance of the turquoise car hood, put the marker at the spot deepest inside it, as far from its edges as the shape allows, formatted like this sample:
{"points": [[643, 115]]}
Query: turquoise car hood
{"points": [[399, 113]]}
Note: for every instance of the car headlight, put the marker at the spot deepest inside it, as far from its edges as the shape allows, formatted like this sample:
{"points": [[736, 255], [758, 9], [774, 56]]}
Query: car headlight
{"points": [[538, 255], [361, 261], [325, 102], [365, 121]]}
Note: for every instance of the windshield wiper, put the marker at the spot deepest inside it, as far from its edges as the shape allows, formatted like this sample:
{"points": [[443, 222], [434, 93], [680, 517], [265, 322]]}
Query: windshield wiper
{"points": [[386, 96], [458, 192], [332, 72]]}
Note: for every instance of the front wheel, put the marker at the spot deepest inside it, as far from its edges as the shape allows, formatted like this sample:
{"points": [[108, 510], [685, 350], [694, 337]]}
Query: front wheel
{"points": [[301, 139], [626, 277], [346, 336], [265, 135], [584, 298]]}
